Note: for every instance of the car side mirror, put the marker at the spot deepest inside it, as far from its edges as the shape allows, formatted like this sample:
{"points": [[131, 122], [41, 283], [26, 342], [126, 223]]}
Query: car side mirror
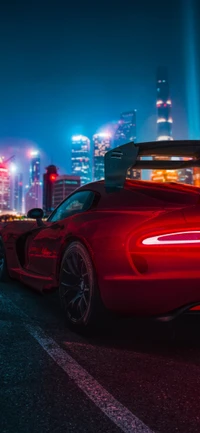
{"points": [[36, 214]]}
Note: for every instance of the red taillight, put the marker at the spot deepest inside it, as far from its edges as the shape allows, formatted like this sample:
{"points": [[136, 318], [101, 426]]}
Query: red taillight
{"points": [[189, 237]]}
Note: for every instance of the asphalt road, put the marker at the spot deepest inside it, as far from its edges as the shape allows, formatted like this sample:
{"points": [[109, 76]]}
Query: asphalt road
{"points": [[134, 376]]}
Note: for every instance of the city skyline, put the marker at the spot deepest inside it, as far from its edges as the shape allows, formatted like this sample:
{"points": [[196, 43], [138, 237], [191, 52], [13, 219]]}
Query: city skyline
{"points": [[81, 84], [87, 161]]}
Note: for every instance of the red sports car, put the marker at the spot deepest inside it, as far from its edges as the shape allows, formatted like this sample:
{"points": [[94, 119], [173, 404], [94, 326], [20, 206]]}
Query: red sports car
{"points": [[132, 247]]}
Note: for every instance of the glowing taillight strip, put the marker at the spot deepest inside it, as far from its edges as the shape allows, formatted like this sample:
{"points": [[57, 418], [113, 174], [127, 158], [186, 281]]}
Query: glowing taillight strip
{"points": [[155, 240]]}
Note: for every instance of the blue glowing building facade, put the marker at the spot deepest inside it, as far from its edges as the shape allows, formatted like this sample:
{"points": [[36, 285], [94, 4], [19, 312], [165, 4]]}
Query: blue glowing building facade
{"points": [[126, 132], [80, 158], [101, 144]]}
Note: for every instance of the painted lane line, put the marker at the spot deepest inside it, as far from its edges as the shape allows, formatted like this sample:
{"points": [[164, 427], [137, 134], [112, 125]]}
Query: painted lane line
{"points": [[112, 408]]}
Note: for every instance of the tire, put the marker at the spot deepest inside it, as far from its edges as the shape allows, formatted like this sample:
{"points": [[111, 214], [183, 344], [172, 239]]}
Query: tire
{"points": [[78, 289], [4, 276]]}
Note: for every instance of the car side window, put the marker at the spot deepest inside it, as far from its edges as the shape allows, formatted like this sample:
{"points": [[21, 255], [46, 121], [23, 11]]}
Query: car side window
{"points": [[78, 202]]}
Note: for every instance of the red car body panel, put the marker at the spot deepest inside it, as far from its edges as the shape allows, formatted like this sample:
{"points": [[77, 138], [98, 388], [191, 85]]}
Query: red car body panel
{"points": [[133, 278]]}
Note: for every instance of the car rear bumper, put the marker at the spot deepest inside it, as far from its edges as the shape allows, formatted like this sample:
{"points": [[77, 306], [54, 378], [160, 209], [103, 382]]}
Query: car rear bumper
{"points": [[154, 294]]}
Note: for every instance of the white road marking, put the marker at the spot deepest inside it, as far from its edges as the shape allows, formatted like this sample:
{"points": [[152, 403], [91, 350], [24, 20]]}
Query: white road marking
{"points": [[112, 408]]}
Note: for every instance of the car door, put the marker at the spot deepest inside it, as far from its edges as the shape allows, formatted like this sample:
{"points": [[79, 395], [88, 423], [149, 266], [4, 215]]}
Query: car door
{"points": [[43, 245]]}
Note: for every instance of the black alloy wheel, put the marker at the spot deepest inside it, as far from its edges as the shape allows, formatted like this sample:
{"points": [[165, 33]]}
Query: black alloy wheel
{"points": [[79, 294]]}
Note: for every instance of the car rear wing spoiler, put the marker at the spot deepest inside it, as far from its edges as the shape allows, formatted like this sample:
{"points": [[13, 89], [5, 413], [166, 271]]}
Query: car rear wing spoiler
{"points": [[119, 160]]}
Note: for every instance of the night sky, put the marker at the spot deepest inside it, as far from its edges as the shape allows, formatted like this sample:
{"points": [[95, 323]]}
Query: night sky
{"points": [[70, 67]]}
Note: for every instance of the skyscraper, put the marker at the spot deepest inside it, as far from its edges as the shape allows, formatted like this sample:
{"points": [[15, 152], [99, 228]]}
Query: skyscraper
{"points": [[126, 132], [164, 104], [126, 129], [49, 179], [102, 143], [164, 124], [34, 168], [33, 197], [18, 192], [188, 175], [4, 187], [63, 186], [80, 158]]}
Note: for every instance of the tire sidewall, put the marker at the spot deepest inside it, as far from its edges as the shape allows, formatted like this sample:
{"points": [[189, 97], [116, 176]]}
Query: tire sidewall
{"points": [[77, 246]]}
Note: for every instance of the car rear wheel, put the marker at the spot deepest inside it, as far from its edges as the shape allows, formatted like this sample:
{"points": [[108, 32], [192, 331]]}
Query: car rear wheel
{"points": [[78, 289], [3, 266]]}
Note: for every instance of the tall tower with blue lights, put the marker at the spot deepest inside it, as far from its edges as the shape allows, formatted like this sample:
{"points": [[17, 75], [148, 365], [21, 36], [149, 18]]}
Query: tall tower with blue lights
{"points": [[164, 124], [164, 107]]}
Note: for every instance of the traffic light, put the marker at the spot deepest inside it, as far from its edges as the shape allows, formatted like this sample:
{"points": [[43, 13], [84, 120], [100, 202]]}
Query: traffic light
{"points": [[53, 177]]}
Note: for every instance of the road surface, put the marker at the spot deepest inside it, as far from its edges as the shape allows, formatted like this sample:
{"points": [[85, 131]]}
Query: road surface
{"points": [[134, 376]]}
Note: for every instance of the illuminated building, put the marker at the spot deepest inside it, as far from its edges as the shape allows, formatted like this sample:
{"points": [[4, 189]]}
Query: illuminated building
{"points": [[163, 104], [80, 158], [63, 186], [101, 143], [34, 168], [196, 176], [186, 174], [164, 125], [4, 187], [18, 192], [33, 197], [164, 176], [126, 132], [49, 179]]}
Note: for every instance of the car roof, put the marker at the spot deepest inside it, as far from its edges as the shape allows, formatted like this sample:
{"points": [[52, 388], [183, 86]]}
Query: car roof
{"points": [[146, 192], [139, 185]]}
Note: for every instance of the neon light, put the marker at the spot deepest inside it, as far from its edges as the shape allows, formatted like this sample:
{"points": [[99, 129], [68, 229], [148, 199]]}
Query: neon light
{"points": [[191, 237], [102, 135], [53, 177], [165, 138], [79, 138], [162, 119]]}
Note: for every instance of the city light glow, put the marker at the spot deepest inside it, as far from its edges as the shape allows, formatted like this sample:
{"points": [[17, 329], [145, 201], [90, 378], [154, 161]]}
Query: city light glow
{"points": [[165, 138], [103, 135], [13, 168], [79, 138], [33, 153], [162, 120], [53, 177]]}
